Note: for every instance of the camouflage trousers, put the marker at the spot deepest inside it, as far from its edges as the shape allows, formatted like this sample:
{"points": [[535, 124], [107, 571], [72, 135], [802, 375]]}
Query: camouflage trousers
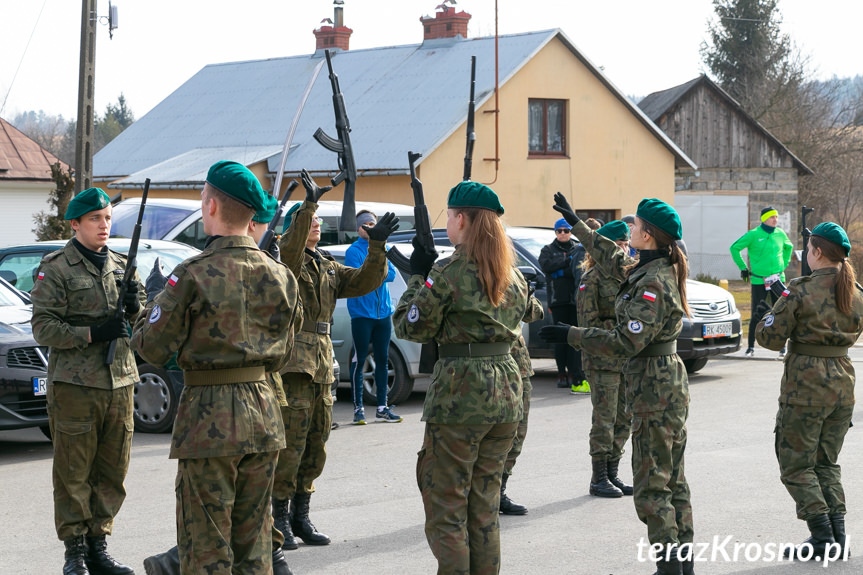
{"points": [[92, 430], [610, 420], [521, 431], [661, 494], [224, 517], [458, 473], [308, 419], [808, 442]]}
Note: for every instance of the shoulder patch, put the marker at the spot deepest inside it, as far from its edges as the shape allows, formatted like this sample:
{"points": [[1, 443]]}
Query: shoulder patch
{"points": [[635, 326], [649, 296], [172, 281], [768, 320], [156, 314], [413, 314], [429, 282]]}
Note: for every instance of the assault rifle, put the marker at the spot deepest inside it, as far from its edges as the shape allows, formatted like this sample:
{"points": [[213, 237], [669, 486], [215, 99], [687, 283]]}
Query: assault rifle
{"points": [[421, 216], [131, 268], [342, 146], [270, 235], [471, 134], [804, 262]]}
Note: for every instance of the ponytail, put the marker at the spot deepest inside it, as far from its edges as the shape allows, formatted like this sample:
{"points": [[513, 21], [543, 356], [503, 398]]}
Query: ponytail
{"points": [[846, 278]]}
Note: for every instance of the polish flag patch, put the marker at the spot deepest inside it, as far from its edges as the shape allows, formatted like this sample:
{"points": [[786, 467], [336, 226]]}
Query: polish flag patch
{"points": [[172, 281], [429, 282], [786, 292], [649, 296], [581, 287], [41, 276]]}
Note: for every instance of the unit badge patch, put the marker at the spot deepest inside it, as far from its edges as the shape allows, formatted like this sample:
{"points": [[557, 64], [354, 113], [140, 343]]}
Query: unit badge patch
{"points": [[413, 314], [156, 314], [635, 326], [768, 320]]}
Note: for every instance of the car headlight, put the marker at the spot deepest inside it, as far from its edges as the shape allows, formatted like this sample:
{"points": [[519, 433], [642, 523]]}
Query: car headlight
{"points": [[732, 306]]}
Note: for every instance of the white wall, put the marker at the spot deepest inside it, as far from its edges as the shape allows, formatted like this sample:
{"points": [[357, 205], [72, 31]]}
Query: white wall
{"points": [[18, 206], [711, 223]]}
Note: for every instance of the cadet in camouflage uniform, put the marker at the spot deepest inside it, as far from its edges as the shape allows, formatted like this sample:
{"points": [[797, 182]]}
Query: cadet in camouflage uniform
{"points": [[822, 316], [610, 421], [522, 358], [90, 406], [649, 309], [307, 378], [168, 563], [474, 403], [229, 313]]}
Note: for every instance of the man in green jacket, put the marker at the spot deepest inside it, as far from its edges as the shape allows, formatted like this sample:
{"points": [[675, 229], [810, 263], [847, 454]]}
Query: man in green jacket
{"points": [[769, 251]]}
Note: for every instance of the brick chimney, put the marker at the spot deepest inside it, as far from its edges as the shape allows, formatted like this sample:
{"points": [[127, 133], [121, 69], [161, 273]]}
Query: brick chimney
{"points": [[336, 34], [447, 23]]}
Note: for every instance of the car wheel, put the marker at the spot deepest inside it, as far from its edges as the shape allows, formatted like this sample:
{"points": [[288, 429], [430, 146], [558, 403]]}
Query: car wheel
{"points": [[155, 400], [693, 365], [46, 431], [399, 384]]}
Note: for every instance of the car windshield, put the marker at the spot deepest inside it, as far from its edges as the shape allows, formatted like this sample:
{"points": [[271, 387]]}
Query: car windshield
{"points": [[157, 221], [170, 257], [532, 239]]}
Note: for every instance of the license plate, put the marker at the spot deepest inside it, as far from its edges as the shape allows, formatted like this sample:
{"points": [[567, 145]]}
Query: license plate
{"points": [[717, 329], [40, 386]]}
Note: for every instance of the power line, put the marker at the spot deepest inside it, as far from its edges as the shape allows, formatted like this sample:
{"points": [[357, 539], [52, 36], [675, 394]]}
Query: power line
{"points": [[5, 98]]}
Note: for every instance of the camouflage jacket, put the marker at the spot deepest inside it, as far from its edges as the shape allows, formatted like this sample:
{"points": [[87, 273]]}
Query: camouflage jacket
{"points": [[229, 306], [519, 348], [597, 293], [649, 311], [451, 307], [321, 283], [70, 295], [807, 314]]}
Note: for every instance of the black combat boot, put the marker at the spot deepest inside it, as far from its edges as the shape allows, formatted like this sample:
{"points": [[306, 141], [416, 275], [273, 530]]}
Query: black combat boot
{"points": [[599, 484], [687, 565], [280, 564], [76, 553], [300, 523], [507, 505], [615, 480], [837, 521], [668, 567], [282, 522], [167, 563], [821, 535], [100, 563]]}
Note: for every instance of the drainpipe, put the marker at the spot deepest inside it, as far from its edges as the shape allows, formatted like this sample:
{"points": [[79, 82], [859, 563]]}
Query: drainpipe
{"points": [[496, 111]]}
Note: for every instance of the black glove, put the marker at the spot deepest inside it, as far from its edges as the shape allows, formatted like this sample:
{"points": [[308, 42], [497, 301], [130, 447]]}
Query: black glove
{"points": [[744, 275], [531, 289], [131, 301], [274, 249], [110, 330], [762, 308], [155, 281], [421, 260], [562, 206], [556, 333], [313, 191], [385, 226]]}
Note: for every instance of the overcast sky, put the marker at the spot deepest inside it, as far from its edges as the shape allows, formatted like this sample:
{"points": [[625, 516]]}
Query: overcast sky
{"points": [[642, 45]]}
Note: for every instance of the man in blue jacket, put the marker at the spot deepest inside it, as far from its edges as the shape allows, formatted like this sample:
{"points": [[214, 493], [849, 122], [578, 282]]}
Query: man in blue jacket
{"points": [[371, 323]]}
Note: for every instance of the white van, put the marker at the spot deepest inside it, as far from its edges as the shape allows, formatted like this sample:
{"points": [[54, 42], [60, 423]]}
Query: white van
{"points": [[180, 220]]}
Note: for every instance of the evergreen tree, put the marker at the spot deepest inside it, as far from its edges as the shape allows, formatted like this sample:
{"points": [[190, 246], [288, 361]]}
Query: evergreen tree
{"points": [[51, 225]]}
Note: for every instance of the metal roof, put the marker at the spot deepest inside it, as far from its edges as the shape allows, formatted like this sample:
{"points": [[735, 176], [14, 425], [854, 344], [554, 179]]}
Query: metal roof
{"points": [[398, 98], [23, 159]]}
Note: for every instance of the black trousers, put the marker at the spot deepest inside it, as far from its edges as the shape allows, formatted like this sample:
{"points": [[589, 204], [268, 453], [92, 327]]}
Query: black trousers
{"points": [[568, 358], [759, 294]]}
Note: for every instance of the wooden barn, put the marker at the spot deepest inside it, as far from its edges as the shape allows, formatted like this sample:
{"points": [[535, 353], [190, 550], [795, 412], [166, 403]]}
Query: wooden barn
{"points": [[742, 168]]}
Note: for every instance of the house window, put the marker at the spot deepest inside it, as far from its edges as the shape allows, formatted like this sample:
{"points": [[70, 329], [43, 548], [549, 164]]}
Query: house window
{"points": [[546, 127]]}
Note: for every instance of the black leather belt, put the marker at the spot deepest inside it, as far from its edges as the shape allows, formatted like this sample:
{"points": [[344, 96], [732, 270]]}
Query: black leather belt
{"points": [[474, 349], [321, 327]]}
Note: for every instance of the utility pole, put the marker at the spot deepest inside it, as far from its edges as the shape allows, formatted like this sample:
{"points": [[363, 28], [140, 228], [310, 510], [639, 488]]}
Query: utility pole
{"points": [[84, 137]]}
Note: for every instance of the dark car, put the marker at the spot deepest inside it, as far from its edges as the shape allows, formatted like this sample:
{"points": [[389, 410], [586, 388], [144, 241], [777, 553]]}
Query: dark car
{"points": [[159, 388], [23, 365], [713, 329]]}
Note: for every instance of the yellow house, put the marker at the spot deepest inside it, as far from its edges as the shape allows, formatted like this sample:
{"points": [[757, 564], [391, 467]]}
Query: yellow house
{"points": [[547, 120]]}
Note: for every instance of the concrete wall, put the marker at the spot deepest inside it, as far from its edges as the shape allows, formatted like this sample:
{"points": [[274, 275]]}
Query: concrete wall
{"points": [[21, 201]]}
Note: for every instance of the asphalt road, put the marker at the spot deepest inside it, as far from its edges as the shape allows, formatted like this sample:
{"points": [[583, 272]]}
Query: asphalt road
{"points": [[368, 503]]}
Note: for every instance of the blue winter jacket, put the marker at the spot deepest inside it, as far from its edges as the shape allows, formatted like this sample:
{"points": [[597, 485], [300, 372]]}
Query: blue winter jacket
{"points": [[377, 304]]}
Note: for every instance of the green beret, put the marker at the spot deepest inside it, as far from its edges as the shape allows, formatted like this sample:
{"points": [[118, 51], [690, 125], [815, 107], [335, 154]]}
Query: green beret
{"points": [[265, 215], [474, 195], [660, 215], [235, 180], [615, 231], [89, 200], [833, 233], [289, 216]]}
